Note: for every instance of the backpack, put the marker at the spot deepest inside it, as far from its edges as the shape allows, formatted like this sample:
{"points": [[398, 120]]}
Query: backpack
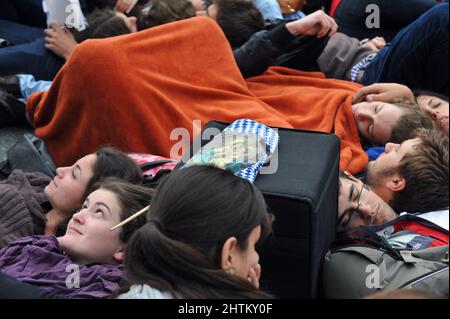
{"points": [[362, 262], [153, 167]]}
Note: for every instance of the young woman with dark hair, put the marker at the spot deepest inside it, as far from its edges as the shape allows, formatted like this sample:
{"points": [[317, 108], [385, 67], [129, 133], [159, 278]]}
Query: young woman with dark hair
{"points": [[199, 239], [34, 204], [86, 261]]}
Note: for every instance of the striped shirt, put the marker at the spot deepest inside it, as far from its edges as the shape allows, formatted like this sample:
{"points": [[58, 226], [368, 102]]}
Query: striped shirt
{"points": [[361, 66]]}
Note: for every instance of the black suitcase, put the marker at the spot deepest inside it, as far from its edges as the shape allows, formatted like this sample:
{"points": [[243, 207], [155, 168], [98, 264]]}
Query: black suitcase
{"points": [[302, 195]]}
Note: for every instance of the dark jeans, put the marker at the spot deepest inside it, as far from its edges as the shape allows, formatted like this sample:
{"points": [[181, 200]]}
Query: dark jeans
{"points": [[30, 12], [394, 15], [27, 53], [418, 55], [27, 12]]}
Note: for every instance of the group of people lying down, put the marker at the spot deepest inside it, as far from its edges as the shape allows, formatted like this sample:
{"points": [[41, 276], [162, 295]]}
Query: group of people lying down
{"points": [[136, 92]]}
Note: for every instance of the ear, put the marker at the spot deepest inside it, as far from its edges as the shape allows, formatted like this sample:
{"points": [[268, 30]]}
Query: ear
{"points": [[227, 255], [119, 255], [396, 183]]}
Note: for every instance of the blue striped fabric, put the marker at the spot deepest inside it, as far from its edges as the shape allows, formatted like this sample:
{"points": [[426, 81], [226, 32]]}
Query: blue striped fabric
{"points": [[360, 66]]}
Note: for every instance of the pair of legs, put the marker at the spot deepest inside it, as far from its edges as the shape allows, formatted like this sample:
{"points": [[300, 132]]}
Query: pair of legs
{"points": [[418, 55], [351, 16], [27, 52], [28, 12], [31, 13]]}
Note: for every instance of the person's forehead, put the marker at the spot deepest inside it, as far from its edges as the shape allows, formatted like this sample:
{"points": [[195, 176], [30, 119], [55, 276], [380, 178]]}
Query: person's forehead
{"points": [[105, 197], [346, 185], [87, 160], [409, 145], [428, 98]]}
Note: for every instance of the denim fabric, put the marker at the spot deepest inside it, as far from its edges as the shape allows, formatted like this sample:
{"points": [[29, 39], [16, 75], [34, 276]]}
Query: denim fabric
{"points": [[351, 16], [28, 86], [27, 53], [418, 55]]}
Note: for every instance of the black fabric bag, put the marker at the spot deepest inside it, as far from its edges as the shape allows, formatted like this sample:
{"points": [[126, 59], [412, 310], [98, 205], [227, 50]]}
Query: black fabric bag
{"points": [[302, 195], [29, 154]]}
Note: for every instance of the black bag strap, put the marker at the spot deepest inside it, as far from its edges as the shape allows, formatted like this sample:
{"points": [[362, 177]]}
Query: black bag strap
{"points": [[154, 164]]}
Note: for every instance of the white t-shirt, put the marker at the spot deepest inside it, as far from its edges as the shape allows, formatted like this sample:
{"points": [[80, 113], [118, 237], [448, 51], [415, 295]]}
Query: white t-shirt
{"points": [[438, 217]]}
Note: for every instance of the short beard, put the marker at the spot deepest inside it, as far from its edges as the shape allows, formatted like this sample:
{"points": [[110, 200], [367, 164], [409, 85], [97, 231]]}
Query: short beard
{"points": [[369, 176], [373, 179]]}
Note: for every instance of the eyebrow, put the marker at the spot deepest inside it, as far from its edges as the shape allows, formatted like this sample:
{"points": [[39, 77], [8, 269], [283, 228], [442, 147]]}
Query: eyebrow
{"points": [[104, 205]]}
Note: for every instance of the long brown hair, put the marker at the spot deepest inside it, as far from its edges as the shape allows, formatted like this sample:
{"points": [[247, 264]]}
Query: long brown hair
{"points": [[194, 211]]}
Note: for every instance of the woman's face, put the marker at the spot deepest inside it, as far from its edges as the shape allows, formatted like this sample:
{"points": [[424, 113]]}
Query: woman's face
{"points": [[65, 192], [375, 120], [246, 264], [88, 238], [437, 109]]}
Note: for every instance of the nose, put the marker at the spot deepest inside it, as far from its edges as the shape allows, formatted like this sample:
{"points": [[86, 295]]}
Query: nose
{"points": [[434, 114], [390, 147], [79, 217], [363, 116], [60, 171]]}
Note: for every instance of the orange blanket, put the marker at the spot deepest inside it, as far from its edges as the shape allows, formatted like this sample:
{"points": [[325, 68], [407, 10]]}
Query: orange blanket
{"points": [[133, 91]]}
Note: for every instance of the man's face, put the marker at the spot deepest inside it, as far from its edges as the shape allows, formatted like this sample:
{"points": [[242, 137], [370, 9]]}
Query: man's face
{"points": [[381, 171], [375, 120], [359, 205]]}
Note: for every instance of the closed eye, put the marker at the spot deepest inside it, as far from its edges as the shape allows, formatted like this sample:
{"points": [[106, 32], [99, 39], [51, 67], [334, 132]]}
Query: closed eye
{"points": [[370, 129], [99, 212]]}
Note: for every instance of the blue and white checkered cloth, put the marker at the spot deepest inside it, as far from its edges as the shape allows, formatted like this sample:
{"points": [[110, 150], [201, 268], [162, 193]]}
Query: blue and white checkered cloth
{"points": [[270, 137]]}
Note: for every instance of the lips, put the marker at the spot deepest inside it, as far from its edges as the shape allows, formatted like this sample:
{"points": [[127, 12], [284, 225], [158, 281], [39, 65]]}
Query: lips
{"points": [[443, 121], [74, 230], [54, 183]]}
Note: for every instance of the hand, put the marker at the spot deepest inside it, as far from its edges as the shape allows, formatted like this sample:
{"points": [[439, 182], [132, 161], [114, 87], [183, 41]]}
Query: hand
{"points": [[254, 274], [317, 23], [125, 6], [384, 92], [59, 41], [376, 44]]}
